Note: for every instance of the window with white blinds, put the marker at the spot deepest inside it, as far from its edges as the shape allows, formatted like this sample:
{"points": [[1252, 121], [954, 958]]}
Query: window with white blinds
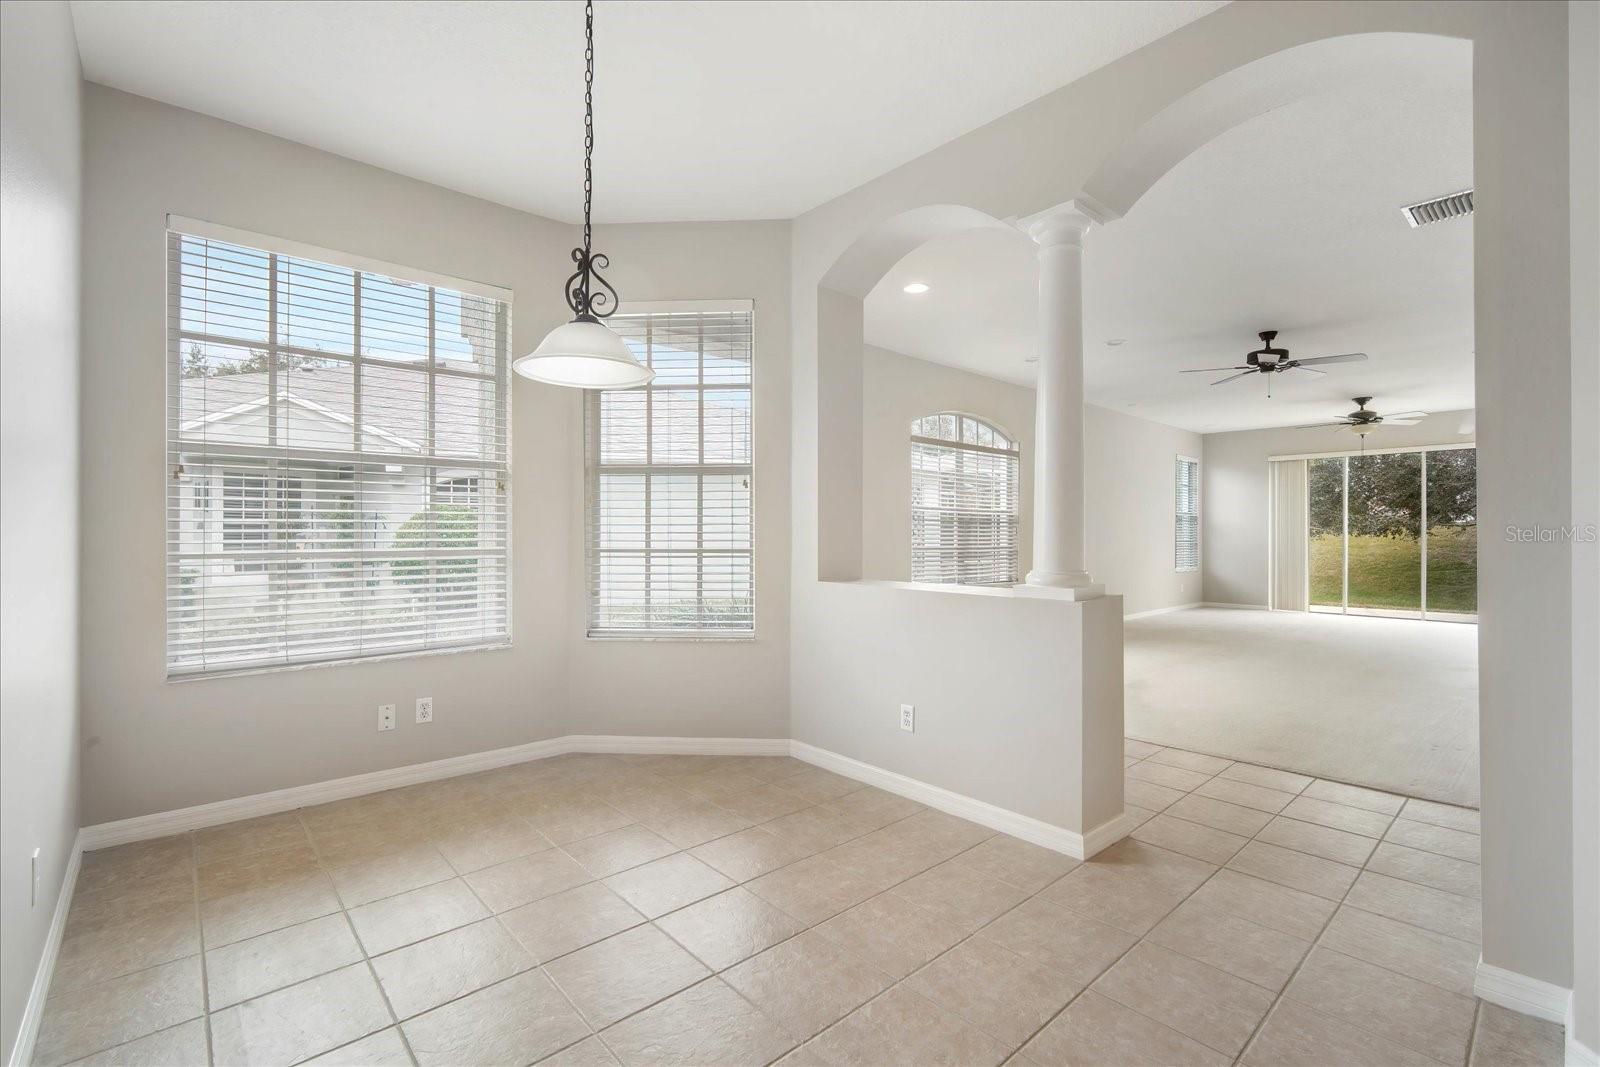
{"points": [[1186, 507], [336, 461], [964, 489], [668, 470]]}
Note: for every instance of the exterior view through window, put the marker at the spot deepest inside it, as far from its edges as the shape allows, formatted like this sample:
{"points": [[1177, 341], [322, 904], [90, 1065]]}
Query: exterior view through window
{"points": [[337, 462], [964, 492], [667, 473], [1395, 533], [1186, 514]]}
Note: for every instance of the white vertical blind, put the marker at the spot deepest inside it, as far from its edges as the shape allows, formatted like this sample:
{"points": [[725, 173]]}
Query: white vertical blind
{"points": [[964, 488], [668, 470], [337, 463], [1287, 499], [1186, 509]]}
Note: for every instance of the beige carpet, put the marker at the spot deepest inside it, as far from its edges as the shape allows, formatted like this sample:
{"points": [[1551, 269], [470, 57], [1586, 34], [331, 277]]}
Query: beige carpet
{"points": [[1386, 703]]}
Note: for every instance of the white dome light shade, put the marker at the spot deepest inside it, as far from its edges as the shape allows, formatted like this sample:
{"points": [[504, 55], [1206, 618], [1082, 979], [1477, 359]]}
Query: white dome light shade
{"points": [[584, 355]]}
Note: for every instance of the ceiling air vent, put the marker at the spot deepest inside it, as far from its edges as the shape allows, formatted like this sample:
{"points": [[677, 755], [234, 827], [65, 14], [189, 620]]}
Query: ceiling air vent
{"points": [[1437, 210]]}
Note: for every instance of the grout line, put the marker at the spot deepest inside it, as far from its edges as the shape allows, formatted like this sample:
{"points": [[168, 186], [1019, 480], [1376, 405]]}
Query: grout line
{"points": [[200, 939]]}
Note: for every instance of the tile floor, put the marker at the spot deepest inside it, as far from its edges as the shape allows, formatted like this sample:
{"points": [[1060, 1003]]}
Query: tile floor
{"points": [[747, 910]]}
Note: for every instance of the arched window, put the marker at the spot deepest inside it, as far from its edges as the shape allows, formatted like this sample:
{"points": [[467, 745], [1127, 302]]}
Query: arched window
{"points": [[964, 492]]}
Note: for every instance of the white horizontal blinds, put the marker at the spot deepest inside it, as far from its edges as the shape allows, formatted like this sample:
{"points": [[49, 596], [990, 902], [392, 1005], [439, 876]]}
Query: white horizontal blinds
{"points": [[964, 491], [337, 462], [1186, 522], [668, 481]]}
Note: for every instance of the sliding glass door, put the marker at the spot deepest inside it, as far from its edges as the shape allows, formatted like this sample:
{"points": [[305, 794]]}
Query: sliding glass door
{"points": [[1394, 534]]}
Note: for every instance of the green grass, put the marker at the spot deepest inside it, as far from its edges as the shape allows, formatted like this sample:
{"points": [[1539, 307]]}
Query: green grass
{"points": [[1386, 572]]}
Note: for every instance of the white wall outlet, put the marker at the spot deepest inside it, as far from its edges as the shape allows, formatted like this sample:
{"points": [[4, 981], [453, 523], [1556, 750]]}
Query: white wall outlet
{"points": [[908, 718], [385, 716], [424, 709], [33, 879]]}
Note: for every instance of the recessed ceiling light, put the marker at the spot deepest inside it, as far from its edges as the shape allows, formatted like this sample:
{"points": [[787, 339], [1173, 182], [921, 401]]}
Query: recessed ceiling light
{"points": [[916, 288], [1115, 341]]}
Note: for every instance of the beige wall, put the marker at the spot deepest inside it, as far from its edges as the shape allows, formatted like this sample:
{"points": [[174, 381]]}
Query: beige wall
{"points": [[40, 178]]}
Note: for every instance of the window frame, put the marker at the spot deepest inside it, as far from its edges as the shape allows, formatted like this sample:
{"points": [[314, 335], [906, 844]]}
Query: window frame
{"points": [[1178, 516], [275, 458], [592, 470], [1014, 453]]}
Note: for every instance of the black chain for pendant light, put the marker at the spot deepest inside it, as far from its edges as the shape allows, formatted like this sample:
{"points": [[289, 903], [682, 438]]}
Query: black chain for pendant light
{"points": [[587, 303]]}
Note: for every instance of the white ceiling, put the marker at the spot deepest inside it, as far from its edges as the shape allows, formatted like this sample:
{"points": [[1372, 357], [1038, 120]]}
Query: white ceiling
{"points": [[705, 109], [1287, 222]]}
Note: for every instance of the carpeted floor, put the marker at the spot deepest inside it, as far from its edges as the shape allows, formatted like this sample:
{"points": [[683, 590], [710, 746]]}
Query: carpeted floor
{"points": [[1386, 703]]}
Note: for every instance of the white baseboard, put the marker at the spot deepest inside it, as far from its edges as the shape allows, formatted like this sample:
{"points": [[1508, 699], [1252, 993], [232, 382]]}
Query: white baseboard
{"points": [[1236, 607], [671, 746], [1057, 838], [1530, 996], [1578, 1054], [33, 1012], [1162, 611]]}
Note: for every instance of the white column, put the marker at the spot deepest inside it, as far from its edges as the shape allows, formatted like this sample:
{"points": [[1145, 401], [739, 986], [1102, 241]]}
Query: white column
{"points": [[1058, 509]]}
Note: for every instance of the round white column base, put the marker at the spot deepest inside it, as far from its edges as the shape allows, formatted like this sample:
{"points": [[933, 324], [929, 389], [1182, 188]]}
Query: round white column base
{"points": [[1073, 586]]}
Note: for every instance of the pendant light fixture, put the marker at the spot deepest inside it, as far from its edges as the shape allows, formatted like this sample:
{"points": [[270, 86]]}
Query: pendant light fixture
{"points": [[586, 353]]}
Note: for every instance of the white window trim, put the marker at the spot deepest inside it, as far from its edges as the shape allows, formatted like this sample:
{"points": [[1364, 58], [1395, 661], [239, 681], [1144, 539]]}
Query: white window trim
{"points": [[649, 307], [1199, 551]]}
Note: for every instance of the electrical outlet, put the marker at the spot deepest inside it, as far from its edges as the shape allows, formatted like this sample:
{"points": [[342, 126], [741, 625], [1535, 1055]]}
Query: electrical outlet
{"points": [[908, 718], [385, 717], [424, 709], [33, 879]]}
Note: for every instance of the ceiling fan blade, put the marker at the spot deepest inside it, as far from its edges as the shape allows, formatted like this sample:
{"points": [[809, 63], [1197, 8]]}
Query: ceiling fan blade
{"points": [[1231, 377], [1387, 421], [1308, 370], [1213, 370], [1412, 415], [1347, 357], [1324, 425]]}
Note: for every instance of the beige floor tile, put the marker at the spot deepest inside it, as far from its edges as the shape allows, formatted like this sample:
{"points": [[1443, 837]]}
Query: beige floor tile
{"points": [[1139, 749], [813, 890], [1149, 795], [817, 785], [1295, 1035], [936, 830], [1508, 1039], [903, 1029], [1246, 795], [116, 1012], [1415, 1014], [521, 881], [387, 924], [1426, 868], [267, 907], [890, 936], [382, 1049], [722, 930], [1441, 840], [183, 1045], [1231, 943], [1297, 870], [590, 1052], [1097, 1030], [749, 853], [762, 803], [255, 870], [1055, 937], [806, 983], [1338, 816], [1220, 815], [266, 834], [369, 880], [1016, 862], [429, 973], [570, 920], [617, 850], [707, 1023], [718, 782], [816, 829], [877, 805], [1420, 905], [1428, 811], [1284, 781], [1165, 774], [1137, 816], [505, 838], [1355, 796], [705, 821], [1130, 885], [1129, 761], [1199, 1001], [667, 884], [127, 939], [118, 904], [1422, 954], [1266, 903], [247, 969], [616, 977], [300, 1021], [959, 895], [995, 989], [768, 768], [519, 1020], [1190, 838], [576, 819], [123, 867], [1193, 761], [1323, 841]]}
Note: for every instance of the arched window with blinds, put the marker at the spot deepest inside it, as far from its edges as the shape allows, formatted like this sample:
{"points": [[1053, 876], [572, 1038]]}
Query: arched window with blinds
{"points": [[964, 493]]}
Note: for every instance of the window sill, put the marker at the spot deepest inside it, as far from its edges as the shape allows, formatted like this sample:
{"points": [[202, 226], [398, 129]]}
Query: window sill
{"points": [[347, 661], [673, 638]]}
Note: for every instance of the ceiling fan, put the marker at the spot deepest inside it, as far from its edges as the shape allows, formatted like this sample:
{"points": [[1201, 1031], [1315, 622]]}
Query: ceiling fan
{"points": [[1269, 360], [1363, 420]]}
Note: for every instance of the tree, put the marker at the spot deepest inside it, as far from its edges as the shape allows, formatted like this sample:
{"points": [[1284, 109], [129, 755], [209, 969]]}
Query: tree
{"points": [[1386, 492], [450, 526]]}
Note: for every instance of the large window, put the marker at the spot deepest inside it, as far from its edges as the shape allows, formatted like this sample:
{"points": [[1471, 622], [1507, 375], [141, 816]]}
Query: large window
{"points": [[337, 459], [963, 501], [668, 470], [1394, 533], [1186, 514]]}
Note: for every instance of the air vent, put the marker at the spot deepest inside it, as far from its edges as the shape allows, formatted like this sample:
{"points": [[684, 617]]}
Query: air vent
{"points": [[1445, 207]]}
